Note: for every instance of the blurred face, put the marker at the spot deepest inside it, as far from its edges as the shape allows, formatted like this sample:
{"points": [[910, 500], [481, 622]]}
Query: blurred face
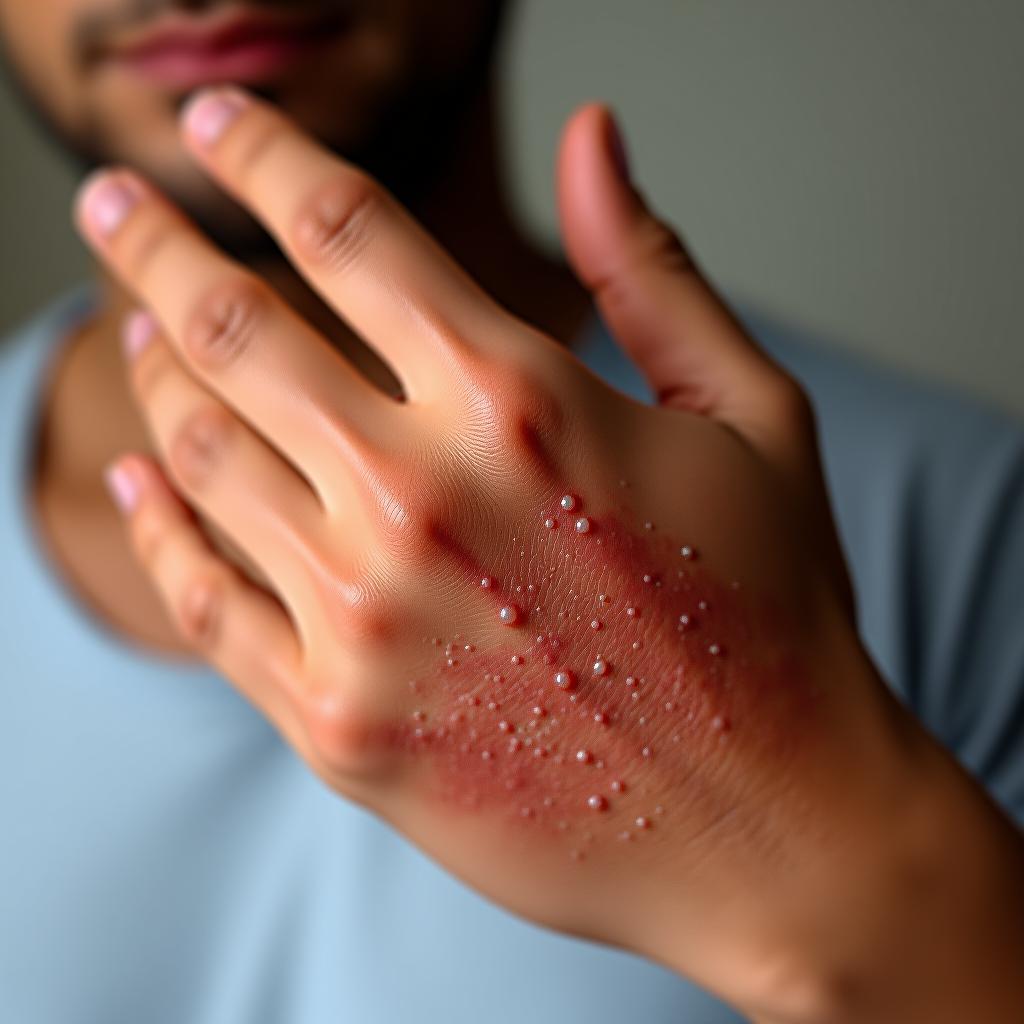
{"points": [[382, 81]]}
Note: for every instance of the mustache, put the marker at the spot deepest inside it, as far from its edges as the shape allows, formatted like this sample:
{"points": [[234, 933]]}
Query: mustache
{"points": [[92, 32]]}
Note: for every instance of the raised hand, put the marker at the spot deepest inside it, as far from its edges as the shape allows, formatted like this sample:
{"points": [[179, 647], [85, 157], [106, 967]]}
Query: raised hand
{"points": [[598, 658]]}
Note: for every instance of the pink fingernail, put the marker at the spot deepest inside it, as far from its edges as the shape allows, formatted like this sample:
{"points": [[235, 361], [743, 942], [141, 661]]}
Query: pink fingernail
{"points": [[106, 201], [209, 115], [138, 331], [123, 487]]}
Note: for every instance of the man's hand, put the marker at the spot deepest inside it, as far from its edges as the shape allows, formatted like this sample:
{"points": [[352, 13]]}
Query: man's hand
{"points": [[597, 658]]}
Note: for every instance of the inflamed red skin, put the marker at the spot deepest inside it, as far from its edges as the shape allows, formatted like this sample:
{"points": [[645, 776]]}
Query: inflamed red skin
{"points": [[626, 663]]}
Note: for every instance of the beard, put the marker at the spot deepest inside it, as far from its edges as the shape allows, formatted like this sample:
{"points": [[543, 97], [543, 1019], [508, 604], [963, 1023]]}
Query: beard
{"points": [[409, 148]]}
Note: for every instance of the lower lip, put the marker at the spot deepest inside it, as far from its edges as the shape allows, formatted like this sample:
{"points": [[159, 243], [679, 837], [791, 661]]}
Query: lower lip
{"points": [[249, 63]]}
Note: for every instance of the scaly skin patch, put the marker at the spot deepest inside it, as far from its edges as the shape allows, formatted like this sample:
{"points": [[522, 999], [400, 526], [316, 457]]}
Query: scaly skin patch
{"points": [[624, 670]]}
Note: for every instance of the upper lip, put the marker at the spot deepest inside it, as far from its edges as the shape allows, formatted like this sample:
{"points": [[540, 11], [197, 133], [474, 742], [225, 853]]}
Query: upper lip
{"points": [[217, 32]]}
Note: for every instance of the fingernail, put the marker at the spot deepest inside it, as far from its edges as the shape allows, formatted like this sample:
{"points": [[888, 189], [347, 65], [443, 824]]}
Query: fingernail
{"points": [[137, 331], [106, 201], [208, 115], [617, 149], [123, 487]]}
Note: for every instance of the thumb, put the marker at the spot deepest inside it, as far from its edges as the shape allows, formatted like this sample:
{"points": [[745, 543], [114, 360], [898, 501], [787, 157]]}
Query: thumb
{"points": [[666, 316]]}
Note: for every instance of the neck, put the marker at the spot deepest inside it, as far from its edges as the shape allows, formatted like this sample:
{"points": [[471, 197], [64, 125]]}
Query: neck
{"points": [[468, 211]]}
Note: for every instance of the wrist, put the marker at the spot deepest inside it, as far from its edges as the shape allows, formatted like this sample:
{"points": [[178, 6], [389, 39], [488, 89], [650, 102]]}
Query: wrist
{"points": [[891, 887], [925, 922]]}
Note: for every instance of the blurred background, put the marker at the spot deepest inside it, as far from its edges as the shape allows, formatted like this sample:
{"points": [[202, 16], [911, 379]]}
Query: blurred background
{"points": [[853, 169]]}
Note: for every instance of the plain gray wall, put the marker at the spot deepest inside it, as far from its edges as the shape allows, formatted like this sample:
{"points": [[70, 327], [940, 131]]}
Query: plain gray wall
{"points": [[854, 168]]}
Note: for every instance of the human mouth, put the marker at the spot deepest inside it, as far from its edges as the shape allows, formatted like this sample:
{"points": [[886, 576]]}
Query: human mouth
{"points": [[243, 46]]}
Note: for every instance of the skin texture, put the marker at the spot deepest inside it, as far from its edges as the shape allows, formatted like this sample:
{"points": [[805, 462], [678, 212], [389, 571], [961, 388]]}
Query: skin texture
{"points": [[604, 680], [335, 475], [413, 584]]}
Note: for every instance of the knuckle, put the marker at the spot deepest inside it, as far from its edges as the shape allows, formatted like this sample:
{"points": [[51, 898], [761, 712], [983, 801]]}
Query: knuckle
{"points": [[150, 370], [412, 518], [666, 246], [149, 531], [530, 435], [200, 611], [367, 617], [363, 613], [535, 412], [334, 225], [341, 734], [225, 322], [656, 245], [248, 153], [144, 239], [198, 447], [514, 420]]}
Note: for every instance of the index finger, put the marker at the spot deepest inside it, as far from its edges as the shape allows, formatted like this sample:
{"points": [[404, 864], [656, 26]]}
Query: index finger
{"points": [[353, 242]]}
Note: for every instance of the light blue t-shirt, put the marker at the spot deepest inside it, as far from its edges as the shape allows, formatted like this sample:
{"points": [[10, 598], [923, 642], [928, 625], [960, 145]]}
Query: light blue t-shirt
{"points": [[164, 857]]}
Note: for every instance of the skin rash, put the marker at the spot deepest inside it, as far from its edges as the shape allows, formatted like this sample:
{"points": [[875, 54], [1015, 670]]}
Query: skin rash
{"points": [[621, 668]]}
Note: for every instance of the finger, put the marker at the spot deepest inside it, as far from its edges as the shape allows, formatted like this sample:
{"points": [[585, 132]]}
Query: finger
{"points": [[354, 243], [230, 622], [234, 333], [224, 469], [693, 351]]}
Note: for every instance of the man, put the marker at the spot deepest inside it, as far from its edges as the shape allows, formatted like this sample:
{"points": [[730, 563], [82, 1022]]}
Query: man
{"points": [[170, 858]]}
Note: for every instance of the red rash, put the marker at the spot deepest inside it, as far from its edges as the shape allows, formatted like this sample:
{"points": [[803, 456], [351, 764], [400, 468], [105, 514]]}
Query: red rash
{"points": [[626, 663]]}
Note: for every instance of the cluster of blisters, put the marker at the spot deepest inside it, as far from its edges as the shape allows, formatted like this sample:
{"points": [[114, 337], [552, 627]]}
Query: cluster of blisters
{"points": [[610, 675]]}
